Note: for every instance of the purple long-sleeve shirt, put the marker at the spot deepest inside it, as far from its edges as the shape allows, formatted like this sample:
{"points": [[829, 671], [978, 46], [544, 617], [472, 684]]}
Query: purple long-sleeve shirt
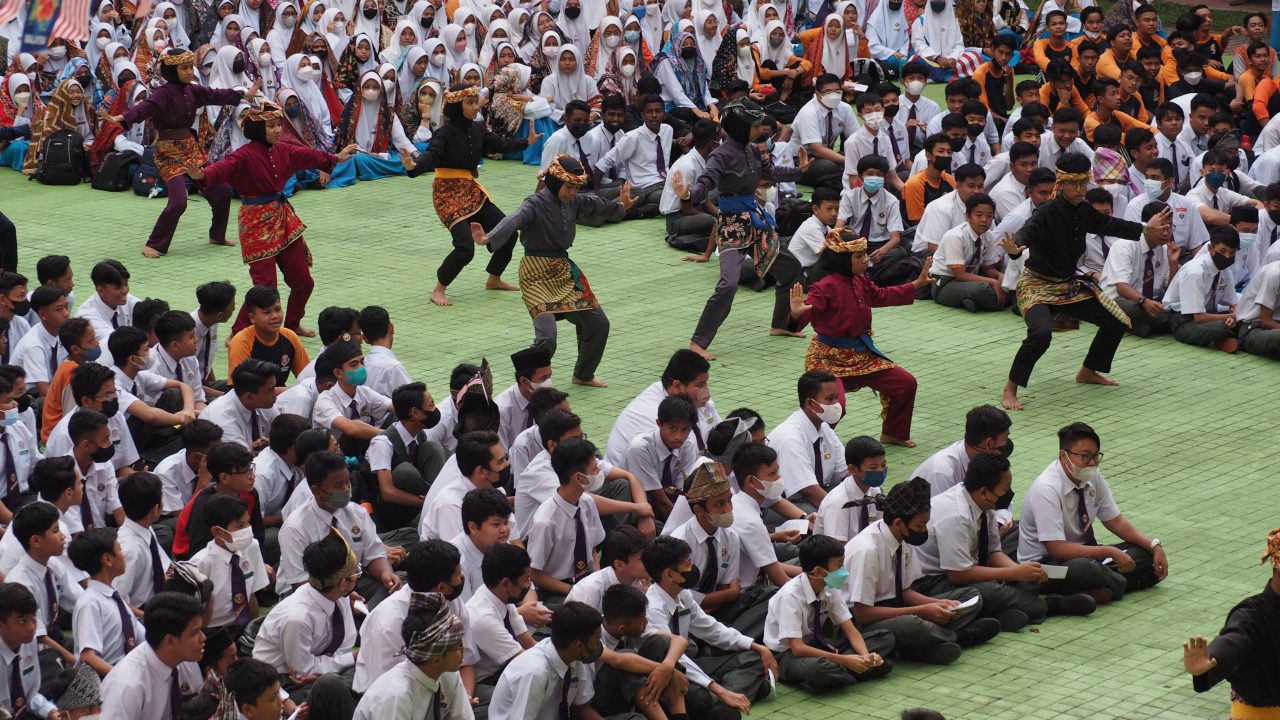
{"points": [[172, 106]]}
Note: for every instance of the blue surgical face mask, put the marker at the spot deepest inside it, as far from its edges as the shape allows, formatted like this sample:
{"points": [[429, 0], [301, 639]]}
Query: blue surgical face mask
{"points": [[92, 354], [638, 11], [872, 184], [10, 417], [631, 35], [1215, 179], [835, 579], [358, 376], [875, 478]]}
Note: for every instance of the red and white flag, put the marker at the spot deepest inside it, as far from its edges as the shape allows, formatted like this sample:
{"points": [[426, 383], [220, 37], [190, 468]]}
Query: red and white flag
{"points": [[9, 10], [73, 21]]}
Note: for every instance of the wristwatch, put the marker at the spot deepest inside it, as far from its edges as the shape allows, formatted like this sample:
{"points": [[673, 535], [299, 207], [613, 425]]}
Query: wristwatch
{"points": [[1155, 543]]}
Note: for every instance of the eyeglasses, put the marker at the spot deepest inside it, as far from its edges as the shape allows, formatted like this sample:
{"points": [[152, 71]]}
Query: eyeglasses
{"points": [[1088, 458]]}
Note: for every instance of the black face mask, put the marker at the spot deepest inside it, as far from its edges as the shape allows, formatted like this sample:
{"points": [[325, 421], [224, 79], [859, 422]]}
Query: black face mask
{"points": [[688, 53], [1004, 502], [917, 537], [504, 477], [890, 112], [370, 13], [455, 591], [24, 403], [975, 129], [1275, 216], [942, 164], [322, 54], [427, 22], [432, 419], [895, 5], [572, 12], [238, 66], [691, 578], [111, 407], [516, 599], [294, 112], [578, 129], [957, 144], [85, 81], [103, 454], [1222, 262], [21, 308], [938, 5], [1007, 449]]}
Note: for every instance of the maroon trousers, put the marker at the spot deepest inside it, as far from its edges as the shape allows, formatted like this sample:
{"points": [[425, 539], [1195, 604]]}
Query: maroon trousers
{"points": [[297, 275], [897, 389]]}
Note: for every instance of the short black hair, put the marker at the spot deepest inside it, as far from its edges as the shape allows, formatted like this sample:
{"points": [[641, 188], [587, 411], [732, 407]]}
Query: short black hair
{"points": [[873, 162], [140, 493], [284, 431], [620, 544], [969, 170], [674, 408], [53, 476], [817, 551], [1021, 150], [810, 384], [750, 458], [623, 602], [109, 272], [172, 326], [555, 424], [664, 553], [324, 557], [222, 510], [375, 323], [686, 365], [935, 140], [1136, 137], [1244, 214], [977, 200], [503, 561], [334, 322], [146, 312], [1153, 208], [825, 79], [577, 106], [320, 465], [52, 267], [261, 297], [124, 343], [573, 622], [1068, 114], [10, 280], [86, 551], [249, 679], [72, 331], [201, 434], [408, 397], [1041, 176], [227, 457], [16, 599], [985, 421], [985, 471], [480, 504], [1107, 136], [914, 68], [46, 295], [862, 448], [541, 400], [475, 450], [85, 422], [1224, 235], [1163, 166], [251, 374], [88, 378], [613, 101], [1074, 433], [571, 456], [214, 297], [169, 613], [431, 563], [824, 193], [1099, 196]]}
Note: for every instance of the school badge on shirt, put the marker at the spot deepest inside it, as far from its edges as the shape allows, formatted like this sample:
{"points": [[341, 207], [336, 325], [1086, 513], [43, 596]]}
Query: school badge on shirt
{"points": [[355, 534], [284, 361]]}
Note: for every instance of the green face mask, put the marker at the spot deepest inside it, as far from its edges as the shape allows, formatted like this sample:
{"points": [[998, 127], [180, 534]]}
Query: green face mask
{"points": [[358, 376]]}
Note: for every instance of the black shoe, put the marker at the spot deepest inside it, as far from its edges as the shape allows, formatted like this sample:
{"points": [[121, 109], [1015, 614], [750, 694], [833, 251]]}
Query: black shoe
{"points": [[1076, 604], [940, 654], [978, 632], [1013, 620]]}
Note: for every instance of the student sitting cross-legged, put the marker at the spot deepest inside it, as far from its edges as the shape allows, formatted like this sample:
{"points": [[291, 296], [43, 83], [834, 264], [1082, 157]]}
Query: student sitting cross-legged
{"points": [[639, 669], [104, 626], [233, 563]]}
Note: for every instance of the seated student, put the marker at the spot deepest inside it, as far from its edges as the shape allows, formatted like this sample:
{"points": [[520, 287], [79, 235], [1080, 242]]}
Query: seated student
{"points": [[482, 462], [145, 315], [949, 211], [1202, 297], [184, 473], [404, 461], [175, 353], [485, 514], [532, 371], [641, 156], [1064, 137], [875, 214], [39, 532], [230, 473], [620, 564], [104, 628], [964, 551], [1029, 108], [89, 433], [427, 678], [14, 308], [245, 413], [300, 399], [217, 303], [568, 140], [821, 121], [761, 486], [334, 324], [233, 563], [967, 263], [552, 679], [806, 242], [850, 507], [276, 470], [386, 372], [1258, 312], [1054, 46], [56, 481], [806, 434], [350, 410], [1132, 76], [658, 458], [39, 352], [1010, 190], [262, 336], [1214, 200], [1245, 219], [157, 674], [632, 656], [432, 567], [495, 628], [17, 377], [565, 529], [795, 629], [19, 614], [742, 664], [870, 140], [882, 566], [20, 451], [1107, 111], [81, 344], [154, 411], [311, 633], [931, 177], [331, 507], [1057, 526], [688, 225], [254, 688], [1097, 247], [1137, 275], [976, 150], [1171, 144], [146, 564], [916, 110], [686, 374], [1189, 230], [111, 304], [55, 271]]}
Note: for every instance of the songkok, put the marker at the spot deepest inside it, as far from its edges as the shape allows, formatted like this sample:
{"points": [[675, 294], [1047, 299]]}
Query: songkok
{"points": [[347, 570], [342, 351], [705, 482], [843, 241], [907, 499], [443, 630], [567, 170], [527, 361], [1273, 549]]}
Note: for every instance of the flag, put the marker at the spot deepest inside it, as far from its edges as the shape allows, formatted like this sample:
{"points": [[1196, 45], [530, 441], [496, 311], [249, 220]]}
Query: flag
{"points": [[9, 10], [73, 21]]}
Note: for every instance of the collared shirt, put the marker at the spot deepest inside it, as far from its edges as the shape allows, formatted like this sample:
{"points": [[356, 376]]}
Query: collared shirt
{"points": [[946, 468], [755, 546], [590, 589], [1176, 150], [842, 523], [487, 617], [126, 454], [864, 143], [178, 481], [471, 560], [215, 562], [136, 585], [526, 447], [1223, 200], [18, 327], [639, 416], [33, 352], [145, 386], [100, 317], [690, 165], [553, 534], [533, 685], [96, 624], [32, 574], [1126, 263], [370, 407], [138, 687], [17, 445], [381, 454], [386, 372], [11, 551], [207, 347], [1051, 511], [310, 523], [1264, 289], [814, 123], [598, 142], [514, 409], [442, 514], [959, 246], [691, 619], [1189, 230], [1189, 291], [102, 493], [870, 558], [443, 431], [272, 477], [886, 217], [230, 414], [166, 367], [647, 457], [793, 439], [807, 241], [300, 399], [381, 645], [791, 612], [636, 156], [402, 693], [954, 525], [939, 216], [29, 671], [1051, 152], [728, 547], [1007, 194], [296, 633]]}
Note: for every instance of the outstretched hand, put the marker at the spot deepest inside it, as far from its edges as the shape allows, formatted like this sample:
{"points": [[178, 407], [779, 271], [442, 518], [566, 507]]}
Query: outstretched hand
{"points": [[252, 92], [1195, 656], [798, 305], [407, 160], [478, 235], [625, 198], [678, 184], [118, 119], [802, 159], [534, 135], [1009, 244]]}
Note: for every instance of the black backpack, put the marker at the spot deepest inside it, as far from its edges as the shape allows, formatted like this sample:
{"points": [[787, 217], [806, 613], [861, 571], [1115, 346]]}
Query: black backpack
{"points": [[62, 160], [115, 172], [790, 215], [146, 178]]}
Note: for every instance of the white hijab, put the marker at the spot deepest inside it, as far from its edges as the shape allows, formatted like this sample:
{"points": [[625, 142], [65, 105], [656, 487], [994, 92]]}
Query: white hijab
{"points": [[415, 15], [746, 66], [462, 73], [889, 28], [252, 18], [437, 107], [310, 27], [518, 21], [603, 53], [577, 32], [338, 40], [223, 77], [405, 75], [673, 10], [395, 52], [91, 47], [439, 72], [367, 124], [308, 92], [490, 49], [779, 55], [178, 37], [628, 83], [650, 32], [835, 53], [707, 46], [118, 68], [372, 62], [941, 30], [372, 28], [280, 36], [559, 88], [270, 85], [454, 60], [715, 7], [17, 80], [460, 18]]}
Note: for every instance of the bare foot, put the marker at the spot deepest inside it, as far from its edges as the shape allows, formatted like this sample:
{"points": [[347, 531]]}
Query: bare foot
{"points": [[890, 440], [438, 296], [591, 383], [223, 241], [780, 332], [150, 252], [303, 331], [1089, 377], [701, 351], [1010, 398], [496, 283]]}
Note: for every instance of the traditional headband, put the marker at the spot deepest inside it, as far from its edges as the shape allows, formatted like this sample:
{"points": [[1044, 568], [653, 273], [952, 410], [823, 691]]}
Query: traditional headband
{"points": [[261, 113], [1080, 177], [557, 171], [840, 240], [457, 96], [444, 631], [182, 58], [1273, 549], [347, 570]]}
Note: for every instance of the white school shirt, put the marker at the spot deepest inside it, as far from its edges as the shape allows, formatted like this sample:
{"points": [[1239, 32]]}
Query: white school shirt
{"points": [[925, 109], [33, 351], [300, 628], [18, 328], [862, 143], [138, 686], [297, 400], [842, 523], [177, 481], [1189, 230], [958, 246], [17, 442], [513, 407], [690, 165], [1051, 152], [386, 372], [29, 671], [954, 523], [380, 453], [1007, 194], [636, 156], [1264, 289], [11, 551], [135, 585], [553, 532], [381, 645], [494, 645], [946, 468], [639, 416], [1189, 290], [31, 574], [1178, 152], [1198, 143], [230, 414], [755, 547], [100, 317], [728, 547], [443, 431], [647, 456], [590, 589], [371, 407], [814, 123], [442, 515], [215, 562], [1051, 511], [1265, 169], [559, 142], [207, 345], [272, 476], [1126, 263], [533, 685], [1010, 224], [886, 215], [1241, 171], [690, 620], [939, 216], [310, 523], [403, 692], [989, 133], [471, 561], [791, 612], [59, 442], [793, 439], [96, 624], [599, 141], [103, 493], [996, 169], [1251, 258], [807, 241], [1227, 199], [870, 559], [526, 447], [33, 318], [166, 367], [1096, 250]]}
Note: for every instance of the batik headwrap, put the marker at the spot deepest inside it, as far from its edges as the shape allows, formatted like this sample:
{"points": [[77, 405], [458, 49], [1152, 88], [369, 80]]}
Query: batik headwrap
{"points": [[907, 499], [1273, 550], [261, 113], [840, 240], [564, 170], [705, 482], [174, 58], [347, 570], [443, 632], [457, 96], [1108, 166]]}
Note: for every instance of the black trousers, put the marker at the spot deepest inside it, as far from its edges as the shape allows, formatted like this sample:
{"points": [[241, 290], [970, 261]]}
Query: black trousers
{"points": [[8, 245], [786, 271], [464, 248], [1039, 321]]}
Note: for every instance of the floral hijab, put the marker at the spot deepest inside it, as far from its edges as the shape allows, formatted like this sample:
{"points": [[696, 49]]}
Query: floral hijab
{"points": [[59, 115], [692, 74], [411, 116], [508, 98]]}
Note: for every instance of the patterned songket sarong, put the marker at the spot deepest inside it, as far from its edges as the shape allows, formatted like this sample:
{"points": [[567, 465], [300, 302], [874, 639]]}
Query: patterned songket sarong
{"points": [[267, 228], [1037, 289], [173, 157], [456, 195], [552, 283]]}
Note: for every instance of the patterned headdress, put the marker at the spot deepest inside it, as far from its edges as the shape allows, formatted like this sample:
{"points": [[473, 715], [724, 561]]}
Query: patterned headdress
{"points": [[83, 692], [706, 481], [843, 241], [907, 499], [568, 170], [457, 96], [1273, 549], [1108, 166], [183, 58], [443, 630], [347, 570], [726, 438], [261, 113]]}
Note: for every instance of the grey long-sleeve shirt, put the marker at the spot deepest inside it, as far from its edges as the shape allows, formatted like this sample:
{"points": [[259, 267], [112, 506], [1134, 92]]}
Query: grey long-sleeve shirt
{"points": [[545, 223]]}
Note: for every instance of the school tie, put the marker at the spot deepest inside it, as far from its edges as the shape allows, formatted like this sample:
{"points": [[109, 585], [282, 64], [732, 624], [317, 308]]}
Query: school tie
{"points": [[864, 512], [157, 567], [866, 220], [437, 699], [1232, 184], [581, 555], [661, 158], [564, 695], [1149, 274], [53, 361], [177, 371], [697, 436], [1085, 522], [613, 171], [205, 348], [875, 145], [674, 623], [1177, 171], [175, 695], [86, 510], [506, 622], [975, 258], [972, 149], [707, 582], [911, 128], [667, 479], [10, 469], [897, 153], [336, 631], [897, 575], [1106, 247], [4, 355], [586, 164], [115, 320], [829, 135], [126, 623], [17, 693], [411, 450], [51, 594], [1215, 201], [817, 463], [255, 428], [984, 543], [1273, 235], [239, 597], [1211, 302], [818, 641]]}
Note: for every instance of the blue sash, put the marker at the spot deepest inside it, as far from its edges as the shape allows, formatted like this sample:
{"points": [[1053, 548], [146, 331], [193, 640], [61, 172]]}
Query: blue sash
{"points": [[262, 199], [735, 204], [861, 343]]}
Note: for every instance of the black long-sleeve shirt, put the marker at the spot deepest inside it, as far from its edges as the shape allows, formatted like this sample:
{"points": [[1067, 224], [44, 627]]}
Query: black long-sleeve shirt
{"points": [[461, 145], [1055, 235], [1248, 651]]}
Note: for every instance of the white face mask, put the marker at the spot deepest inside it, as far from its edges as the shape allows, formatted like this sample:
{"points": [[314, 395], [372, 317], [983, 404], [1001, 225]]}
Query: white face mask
{"points": [[438, 60], [370, 94], [159, 45], [544, 384], [306, 73], [628, 70], [1153, 188], [612, 42], [830, 100], [240, 540], [389, 86], [1247, 240], [550, 50], [873, 120], [470, 28], [21, 97], [771, 490], [102, 43], [289, 21], [1083, 473], [1193, 78], [594, 482], [830, 414], [723, 520], [58, 52], [915, 87], [744, 52], [264, 59], [768, 196]]}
